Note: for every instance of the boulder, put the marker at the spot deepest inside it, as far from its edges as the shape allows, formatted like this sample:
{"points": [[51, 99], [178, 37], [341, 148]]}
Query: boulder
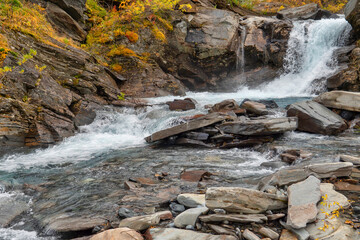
{"points": [[307, 11], [352, 14], [182, 105], [255, 107], [140, 223], [225, 106], [267, 126], [174, 234], [351, 159], [118, 234], [191, 200], [189, 217], [75, 8], [200, 122], [292, 175], [238, 218], [315, 118], [340, 100], [242, 200], [303, 198]]}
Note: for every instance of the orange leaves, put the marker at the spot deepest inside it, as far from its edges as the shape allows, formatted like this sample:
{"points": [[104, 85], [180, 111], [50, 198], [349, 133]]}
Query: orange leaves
{"points": [[116, 67], [4, 49], [132, 36], [121, 51]]}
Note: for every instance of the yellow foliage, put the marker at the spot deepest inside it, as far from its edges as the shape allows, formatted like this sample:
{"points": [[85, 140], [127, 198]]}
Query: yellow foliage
{"points": [[116, 67], [121, 51], [132, 36], [158, 33], [4, 49]]}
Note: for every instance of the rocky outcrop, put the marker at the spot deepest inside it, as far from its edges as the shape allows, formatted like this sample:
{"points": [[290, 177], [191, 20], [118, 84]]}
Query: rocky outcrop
{"points": [[352, 15], [315, 118], [242, 200], [343, 100]]}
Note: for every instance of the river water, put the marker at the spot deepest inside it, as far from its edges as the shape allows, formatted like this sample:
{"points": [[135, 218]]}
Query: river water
{"points": [[81, 173]]}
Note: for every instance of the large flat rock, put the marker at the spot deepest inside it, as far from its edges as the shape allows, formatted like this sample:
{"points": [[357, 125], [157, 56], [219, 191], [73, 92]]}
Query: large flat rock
{"points": [[176, 234], [189, 126], [304, 12], [260, 127], [140, 223], [292, 175], [315, 118], [303, 198], [118, 234], [189, 217], [242, 200], [340, 100]]}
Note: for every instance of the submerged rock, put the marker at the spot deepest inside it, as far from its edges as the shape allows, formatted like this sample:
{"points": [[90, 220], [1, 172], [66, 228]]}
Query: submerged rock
{"points": [[303, 198], [242, 200], [315, 118]]}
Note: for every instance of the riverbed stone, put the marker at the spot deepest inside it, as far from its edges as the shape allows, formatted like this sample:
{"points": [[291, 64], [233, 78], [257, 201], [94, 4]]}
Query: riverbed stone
{"points": [[189, 217], [174, 234], [260, 127], [140, 223], [238, 218], [352, 159], [191, 200], [181, 105], [242, 200], [287, 176], [255, 107], [287, 235], [249, 235], [10, 208], [220, 230], [118, 234], [340, 100], [303, 198], [267, 232], [204, 121], [225, 106], [315, 118]]}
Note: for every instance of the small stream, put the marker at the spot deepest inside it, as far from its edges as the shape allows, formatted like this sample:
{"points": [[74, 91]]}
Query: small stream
{"points": [[84, 174]]}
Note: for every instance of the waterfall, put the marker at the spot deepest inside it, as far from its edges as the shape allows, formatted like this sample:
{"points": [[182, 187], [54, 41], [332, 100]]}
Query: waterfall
{"points": [[240, 53], [309, 57]]}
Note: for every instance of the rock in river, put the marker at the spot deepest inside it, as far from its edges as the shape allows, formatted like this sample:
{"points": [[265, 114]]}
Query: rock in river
{"points": [[174, 234], [303, 197], [267, 126], [118, 234], [143, 222], [315, 118], [340, 100], [242, 200]]}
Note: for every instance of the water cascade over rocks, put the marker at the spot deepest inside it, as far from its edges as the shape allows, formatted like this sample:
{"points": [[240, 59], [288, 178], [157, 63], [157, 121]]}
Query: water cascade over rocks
{"points": [[81, 175]]}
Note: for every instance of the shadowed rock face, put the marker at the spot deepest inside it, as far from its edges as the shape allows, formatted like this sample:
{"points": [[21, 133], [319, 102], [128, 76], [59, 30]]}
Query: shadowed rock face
{"points": [[352, 15]]}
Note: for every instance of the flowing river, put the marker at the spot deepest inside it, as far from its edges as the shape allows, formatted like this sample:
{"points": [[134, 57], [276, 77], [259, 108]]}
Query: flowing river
{"points": [[81, 173]]}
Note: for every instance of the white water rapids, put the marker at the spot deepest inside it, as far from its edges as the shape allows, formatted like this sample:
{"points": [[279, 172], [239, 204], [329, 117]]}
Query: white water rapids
{"points": [[309, 57]]}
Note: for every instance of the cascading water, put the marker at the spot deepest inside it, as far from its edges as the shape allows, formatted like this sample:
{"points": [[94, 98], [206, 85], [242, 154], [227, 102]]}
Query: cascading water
{"points": [[120, 133], [240, 53]]}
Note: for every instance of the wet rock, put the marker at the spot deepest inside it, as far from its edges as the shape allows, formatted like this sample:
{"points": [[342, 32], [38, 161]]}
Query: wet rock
{"points": [[176, 207], [316, 118], [296, 174], [242, 200], [303, 198], [10, 208], [225, 106], [307, 11], [238, 218], [352, 159], [191, 200], [195, 175], [200, 136], [65, 223], [118, 234], [288, 158], [255, 107], [192, 143], [182, 105], [287, 235], [260, 127], [267, 232], [247, 234], [205, 121], [173, 233], [340, 100], [143, 222], [125, 213], [189, 217], [273, 164], [251, 142]]}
